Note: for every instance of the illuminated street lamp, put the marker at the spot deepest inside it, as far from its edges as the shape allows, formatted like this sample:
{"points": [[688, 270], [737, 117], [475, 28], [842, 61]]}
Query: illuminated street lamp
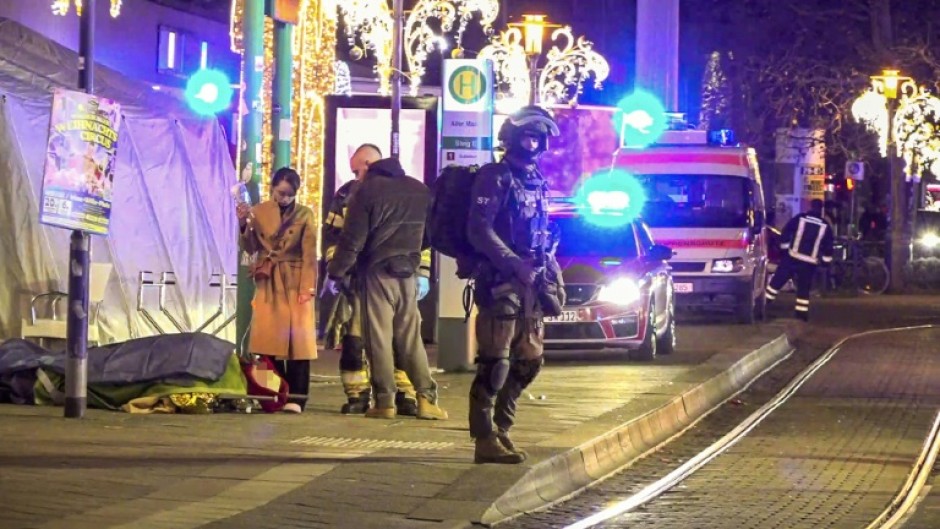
{"points": [[533, 31], [516, 53], [877, 108]]}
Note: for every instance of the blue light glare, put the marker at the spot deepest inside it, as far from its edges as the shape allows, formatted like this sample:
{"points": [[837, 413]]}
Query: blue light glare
{"points": [[208, 92], [640, 120], [611, 199]]}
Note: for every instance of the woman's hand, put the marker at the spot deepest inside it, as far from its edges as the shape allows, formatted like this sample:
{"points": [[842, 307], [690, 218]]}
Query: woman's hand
{"points": [[243, 212], [304, 297]]}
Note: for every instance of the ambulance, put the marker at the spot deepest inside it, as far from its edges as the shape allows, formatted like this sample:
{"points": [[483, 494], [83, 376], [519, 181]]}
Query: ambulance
{"points": [[705, 200]]}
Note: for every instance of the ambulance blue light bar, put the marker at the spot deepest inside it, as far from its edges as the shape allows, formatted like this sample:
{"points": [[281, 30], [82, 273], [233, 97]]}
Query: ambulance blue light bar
{"points": [[723, 137]]}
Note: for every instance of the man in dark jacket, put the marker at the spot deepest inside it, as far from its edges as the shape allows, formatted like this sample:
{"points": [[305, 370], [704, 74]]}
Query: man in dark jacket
{"points": [[516, 282], [807, 241], [381, 241], [341, 307]]}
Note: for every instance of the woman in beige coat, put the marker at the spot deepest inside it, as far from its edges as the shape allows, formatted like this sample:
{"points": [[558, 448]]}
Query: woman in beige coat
{"points": [[283, 236]]}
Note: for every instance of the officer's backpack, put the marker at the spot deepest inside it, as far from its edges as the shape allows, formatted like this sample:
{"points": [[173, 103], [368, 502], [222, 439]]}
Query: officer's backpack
{"points": [[448, 214]]}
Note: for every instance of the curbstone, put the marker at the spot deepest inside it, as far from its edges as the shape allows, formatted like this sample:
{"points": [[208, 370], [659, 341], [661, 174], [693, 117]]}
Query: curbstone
{"points": [[561, 476]]}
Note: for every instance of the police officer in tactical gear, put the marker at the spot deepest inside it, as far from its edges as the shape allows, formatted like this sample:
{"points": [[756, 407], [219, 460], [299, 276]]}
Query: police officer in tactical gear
{"points": [[381, 244], [807, 241], [516, 282], [341, 306]]}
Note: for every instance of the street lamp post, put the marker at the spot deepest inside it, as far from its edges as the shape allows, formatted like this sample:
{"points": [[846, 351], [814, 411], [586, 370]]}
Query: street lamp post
{"points": [[533, 31], [890, 84]]}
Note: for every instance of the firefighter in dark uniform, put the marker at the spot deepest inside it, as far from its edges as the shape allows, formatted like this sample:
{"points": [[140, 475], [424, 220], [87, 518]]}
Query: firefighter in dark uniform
{"points": [[807, 241], [380, 245], [516, 282], [341, 323]]}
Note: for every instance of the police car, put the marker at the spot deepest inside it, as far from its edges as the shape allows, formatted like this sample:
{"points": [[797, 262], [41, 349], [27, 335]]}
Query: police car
{"points": [[619, 288]]}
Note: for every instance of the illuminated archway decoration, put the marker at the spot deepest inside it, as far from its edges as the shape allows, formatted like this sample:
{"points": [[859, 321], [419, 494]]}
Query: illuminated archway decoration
{"points": [[314, 78], [61, 7]]}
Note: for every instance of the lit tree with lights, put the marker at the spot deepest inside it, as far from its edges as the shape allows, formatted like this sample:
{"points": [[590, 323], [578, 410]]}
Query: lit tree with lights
{"points": [[716, 95]]}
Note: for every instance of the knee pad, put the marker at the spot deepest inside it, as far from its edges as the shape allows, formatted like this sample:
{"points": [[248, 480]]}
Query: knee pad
{"points": [[491, 375], [525, 371], [351, 356]]}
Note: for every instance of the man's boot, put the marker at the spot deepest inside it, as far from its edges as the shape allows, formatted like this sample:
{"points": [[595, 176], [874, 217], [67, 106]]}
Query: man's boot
{"points": [[380, 413], [406, 398], [429, 411], [356, 405], [503, 437], [406, 405], [490, 450]]}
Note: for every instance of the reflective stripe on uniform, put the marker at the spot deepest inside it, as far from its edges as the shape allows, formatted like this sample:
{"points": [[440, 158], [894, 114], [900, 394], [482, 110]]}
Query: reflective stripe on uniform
{"points": [[770, 293], [329, 253], [426, 258], [335, 220], [801, 308], [800, 301], [826, 259]]}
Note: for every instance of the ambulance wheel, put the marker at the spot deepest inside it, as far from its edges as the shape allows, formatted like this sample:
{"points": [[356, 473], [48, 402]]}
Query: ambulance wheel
{"points": [[760, 308], [746, 310], [647, 350]]}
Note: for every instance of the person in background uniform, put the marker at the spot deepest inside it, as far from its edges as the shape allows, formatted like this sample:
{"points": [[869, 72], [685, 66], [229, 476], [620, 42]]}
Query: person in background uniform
{"points": [[807, 241], [381, 244], [343, 325], [508, 226], [873, 224], [283, 235]]}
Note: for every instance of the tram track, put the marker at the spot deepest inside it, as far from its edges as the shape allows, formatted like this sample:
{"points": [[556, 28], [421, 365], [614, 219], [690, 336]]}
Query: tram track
{"points": [[903, 498]]}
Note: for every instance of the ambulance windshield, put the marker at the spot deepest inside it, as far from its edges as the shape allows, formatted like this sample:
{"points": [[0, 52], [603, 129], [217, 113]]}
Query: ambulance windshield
{"points": [[696, 201]]}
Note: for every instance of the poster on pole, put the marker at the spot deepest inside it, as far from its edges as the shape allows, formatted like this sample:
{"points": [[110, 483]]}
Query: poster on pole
{"points": [[467, 128], [80, 156]]}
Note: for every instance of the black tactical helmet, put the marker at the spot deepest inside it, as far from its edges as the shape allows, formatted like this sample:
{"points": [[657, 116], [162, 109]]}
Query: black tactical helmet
{"points": [[531, 118]]}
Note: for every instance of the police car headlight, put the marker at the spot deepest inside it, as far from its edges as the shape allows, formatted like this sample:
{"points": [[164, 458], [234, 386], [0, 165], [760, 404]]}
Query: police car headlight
{"points": [[727, 266], [622, 291]]}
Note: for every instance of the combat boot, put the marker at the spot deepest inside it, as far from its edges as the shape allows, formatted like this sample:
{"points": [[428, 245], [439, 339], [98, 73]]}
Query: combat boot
{"points": [[356, 405], [429, 411], [380, 413], [490, 450], [503, 437], [406, 404]]}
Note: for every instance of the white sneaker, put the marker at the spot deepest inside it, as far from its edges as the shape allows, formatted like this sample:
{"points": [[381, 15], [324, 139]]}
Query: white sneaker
{"points": [[292, 407]]}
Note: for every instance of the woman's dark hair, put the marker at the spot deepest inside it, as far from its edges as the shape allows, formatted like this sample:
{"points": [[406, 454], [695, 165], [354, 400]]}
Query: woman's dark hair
{"points": [[286, 174]]}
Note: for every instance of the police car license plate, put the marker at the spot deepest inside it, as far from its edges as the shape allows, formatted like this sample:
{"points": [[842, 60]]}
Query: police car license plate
{"points": [[566, 316], [682, 288]]}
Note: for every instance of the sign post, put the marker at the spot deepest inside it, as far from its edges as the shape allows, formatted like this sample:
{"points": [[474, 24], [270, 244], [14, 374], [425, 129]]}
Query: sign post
{"points": [[76, 195], [466, 139]]}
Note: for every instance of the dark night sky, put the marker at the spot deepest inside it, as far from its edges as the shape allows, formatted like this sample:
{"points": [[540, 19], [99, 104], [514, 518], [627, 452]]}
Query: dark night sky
{"points": [[610, 24]]}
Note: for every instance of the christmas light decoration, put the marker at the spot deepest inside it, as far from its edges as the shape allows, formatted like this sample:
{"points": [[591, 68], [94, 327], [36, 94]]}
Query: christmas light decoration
{"points": [[515, 53], [343, 84], [917, 134], [915, 128], [369, 28], [314, 78], [421, 39], [61, 7]]}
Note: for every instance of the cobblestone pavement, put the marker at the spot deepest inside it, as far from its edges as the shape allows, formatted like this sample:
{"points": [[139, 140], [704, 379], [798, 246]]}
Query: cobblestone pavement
{"points": [[833, 456], [322, 469]]}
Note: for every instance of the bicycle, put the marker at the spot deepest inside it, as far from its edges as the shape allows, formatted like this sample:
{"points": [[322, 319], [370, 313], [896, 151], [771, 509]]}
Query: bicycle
{"points": [[856, 268]]}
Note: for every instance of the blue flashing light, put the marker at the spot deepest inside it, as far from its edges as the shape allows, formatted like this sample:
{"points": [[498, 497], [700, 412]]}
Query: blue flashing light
{"points": [[208, 92], [611, 199], [640, 120], [723, 137]]}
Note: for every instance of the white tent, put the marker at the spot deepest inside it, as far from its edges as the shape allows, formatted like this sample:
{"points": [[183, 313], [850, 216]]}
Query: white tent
{"points": [[171, 212]]}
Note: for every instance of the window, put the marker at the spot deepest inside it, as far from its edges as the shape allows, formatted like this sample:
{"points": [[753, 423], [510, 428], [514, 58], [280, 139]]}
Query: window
{"points": [[697, 201], [580, 238], [181, 53]]}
